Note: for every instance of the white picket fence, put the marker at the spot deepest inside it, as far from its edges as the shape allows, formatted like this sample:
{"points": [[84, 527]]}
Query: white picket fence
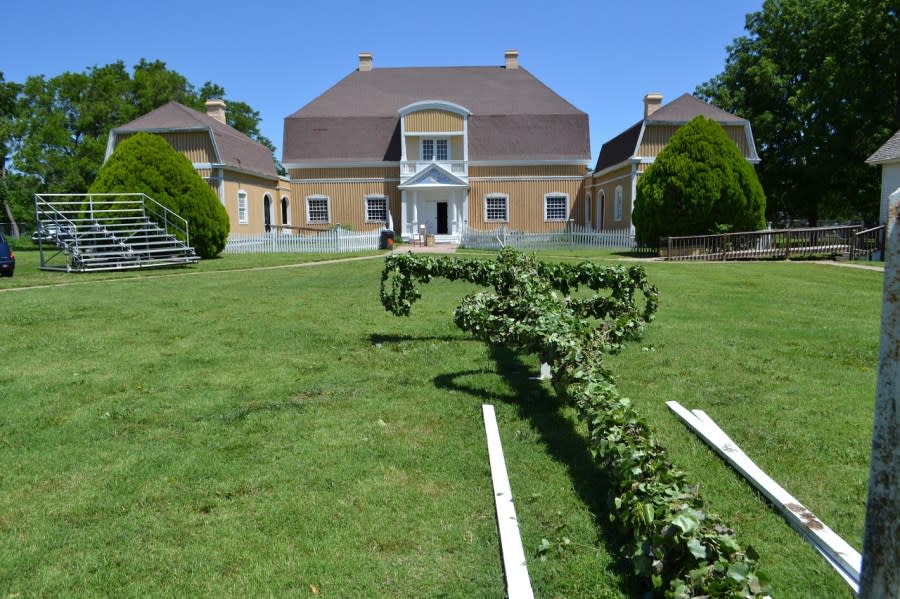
{"points": [[336, 241], [572, 236]]}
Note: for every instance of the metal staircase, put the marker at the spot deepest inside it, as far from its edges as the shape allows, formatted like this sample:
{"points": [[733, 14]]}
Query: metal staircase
{"points": [[102, 232]]}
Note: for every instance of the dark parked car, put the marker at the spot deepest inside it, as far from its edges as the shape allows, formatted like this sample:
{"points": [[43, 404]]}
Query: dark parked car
{"points": [[50, 232], [7, 258]]}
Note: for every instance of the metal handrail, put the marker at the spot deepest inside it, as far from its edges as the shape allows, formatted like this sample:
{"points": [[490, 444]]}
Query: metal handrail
{"points": [[78, 220], [168, 218]]}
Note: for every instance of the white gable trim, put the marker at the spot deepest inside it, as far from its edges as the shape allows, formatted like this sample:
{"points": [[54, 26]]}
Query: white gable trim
{"points": [[440, 173], [434, 105]]}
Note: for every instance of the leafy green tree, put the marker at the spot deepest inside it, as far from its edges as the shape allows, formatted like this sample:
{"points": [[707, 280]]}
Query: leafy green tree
{"points": [[153, 85], [62, 124], [241, 116], [8, 93], [820, 82], [238, 114], [699, 182], [147, 163]]}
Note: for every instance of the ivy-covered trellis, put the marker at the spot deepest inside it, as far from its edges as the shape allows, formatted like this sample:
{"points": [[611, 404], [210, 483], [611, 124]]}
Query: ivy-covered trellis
{"points": [[679, 548]]}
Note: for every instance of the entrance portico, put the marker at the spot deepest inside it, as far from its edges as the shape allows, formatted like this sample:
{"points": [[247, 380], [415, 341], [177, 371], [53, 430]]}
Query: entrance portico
{"points": [[436, 199]]}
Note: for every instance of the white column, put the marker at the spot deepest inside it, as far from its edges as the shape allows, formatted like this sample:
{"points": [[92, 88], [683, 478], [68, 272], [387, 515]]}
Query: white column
{"points": [[454, 229], [465, 210], [415, 207], [404, 226]]}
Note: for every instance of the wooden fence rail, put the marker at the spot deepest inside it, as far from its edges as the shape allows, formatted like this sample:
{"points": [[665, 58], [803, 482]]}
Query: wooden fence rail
{"points": [[849, 241]]}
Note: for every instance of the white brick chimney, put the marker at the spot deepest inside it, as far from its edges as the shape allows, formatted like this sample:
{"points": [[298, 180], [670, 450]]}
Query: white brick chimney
{"points": [[652, 102], [365, 61], [216, 109], [511, 58]]}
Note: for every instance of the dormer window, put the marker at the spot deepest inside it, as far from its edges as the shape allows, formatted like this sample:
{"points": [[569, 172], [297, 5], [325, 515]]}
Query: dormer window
{"points": [[435, 149]]}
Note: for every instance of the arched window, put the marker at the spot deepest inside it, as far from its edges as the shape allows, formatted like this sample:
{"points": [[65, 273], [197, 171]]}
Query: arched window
{"points": [[285, 212], [601, 209], [587, 209], [267, 212], [243, 213]]}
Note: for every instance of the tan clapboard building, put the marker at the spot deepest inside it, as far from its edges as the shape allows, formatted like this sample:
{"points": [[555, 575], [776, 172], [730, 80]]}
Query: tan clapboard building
{"points": [[611, 187], [437, 149], [240, 170]]}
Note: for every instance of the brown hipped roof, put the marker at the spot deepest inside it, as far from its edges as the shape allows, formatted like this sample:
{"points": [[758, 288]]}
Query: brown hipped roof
{"points": [[513, 116], [889, 152], [235, 149], [678, 111]]}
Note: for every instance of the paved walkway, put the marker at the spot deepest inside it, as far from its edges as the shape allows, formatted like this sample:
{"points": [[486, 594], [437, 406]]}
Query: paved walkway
{"points": [[442, 248], [876, 267]]}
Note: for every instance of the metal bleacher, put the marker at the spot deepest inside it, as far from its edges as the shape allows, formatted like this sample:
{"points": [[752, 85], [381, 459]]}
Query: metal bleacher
{"points": [[103, 232]]}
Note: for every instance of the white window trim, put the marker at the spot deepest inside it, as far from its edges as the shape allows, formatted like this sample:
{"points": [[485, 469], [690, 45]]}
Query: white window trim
{"points": [[617, 210], [435, 139], [327, 208], [269, 211], [496, 196], [587, 209], [285, 203], [601, 209], [376, 196], [556, 195], [243, 207]]}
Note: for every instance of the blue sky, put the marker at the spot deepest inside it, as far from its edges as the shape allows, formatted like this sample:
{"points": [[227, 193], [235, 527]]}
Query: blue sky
{"points": [[601, 56]]}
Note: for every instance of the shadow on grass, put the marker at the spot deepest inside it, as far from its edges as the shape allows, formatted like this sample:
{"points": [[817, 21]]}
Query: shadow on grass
{"points": [[379, 339], [538, 404], [645, 254]]}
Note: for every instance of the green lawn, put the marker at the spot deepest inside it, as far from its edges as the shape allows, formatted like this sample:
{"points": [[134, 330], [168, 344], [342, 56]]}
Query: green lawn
{"points": [[276, 433]]}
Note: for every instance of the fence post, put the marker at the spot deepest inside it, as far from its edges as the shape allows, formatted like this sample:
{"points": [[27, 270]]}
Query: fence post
{"points": [[787, 247], [724, 247], [853, 240], [881, 542]]}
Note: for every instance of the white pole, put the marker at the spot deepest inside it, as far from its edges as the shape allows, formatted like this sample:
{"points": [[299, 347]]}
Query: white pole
{"points": [[881, 542], [518, 584]]}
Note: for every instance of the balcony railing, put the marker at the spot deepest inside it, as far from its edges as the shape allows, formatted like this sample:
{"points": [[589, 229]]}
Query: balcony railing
{"points": [[410, 168]]}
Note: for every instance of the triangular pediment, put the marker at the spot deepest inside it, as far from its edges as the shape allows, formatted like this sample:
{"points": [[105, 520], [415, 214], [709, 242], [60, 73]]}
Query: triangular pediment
{"points": [[434, 176]]}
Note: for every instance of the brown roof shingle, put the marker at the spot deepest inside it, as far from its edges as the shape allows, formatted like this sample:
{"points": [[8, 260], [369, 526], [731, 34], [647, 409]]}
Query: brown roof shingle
{"points": [[513, 116], [680, 110], [235, 149]]}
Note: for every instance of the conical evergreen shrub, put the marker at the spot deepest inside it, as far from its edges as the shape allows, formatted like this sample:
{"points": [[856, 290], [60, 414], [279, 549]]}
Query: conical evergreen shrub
{"points": [[146, 163]]}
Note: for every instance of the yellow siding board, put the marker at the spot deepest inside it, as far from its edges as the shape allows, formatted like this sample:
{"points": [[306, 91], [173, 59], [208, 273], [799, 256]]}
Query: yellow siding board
{"points": [[657, 136], [456, 148], [605, 187], [346, 173], [655, 139], [526, 203], [347, 202], [195, 145], [738, 136], [434, 121], [257, 188], [549, 170], [413, 147]]}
